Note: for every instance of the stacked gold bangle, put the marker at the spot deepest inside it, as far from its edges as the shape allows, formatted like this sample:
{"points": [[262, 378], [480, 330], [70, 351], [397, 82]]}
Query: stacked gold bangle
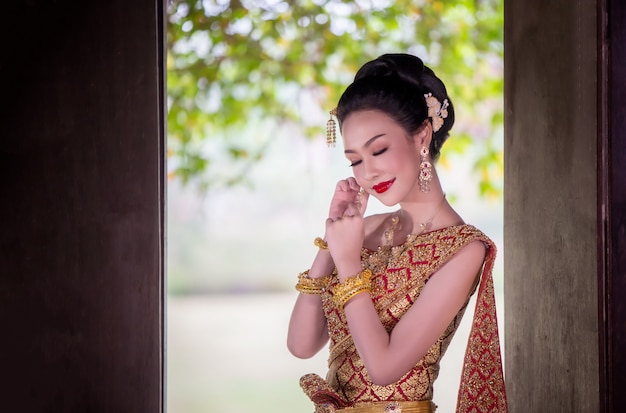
{"points": [[308, 285], [352, 286]]}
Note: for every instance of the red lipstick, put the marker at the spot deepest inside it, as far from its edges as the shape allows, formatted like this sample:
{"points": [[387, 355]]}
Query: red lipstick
{"points": [[383, 186]]}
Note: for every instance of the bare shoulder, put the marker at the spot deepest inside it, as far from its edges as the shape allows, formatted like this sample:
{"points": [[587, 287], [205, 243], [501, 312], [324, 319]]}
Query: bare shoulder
{"points": [[459, 276], [375, 220], [467, 261], [373, 223], [473, 252], [374, 226], [474, 249]]}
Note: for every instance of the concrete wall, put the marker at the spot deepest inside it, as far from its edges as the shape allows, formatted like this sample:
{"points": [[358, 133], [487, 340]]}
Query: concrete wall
{"points": [[550, 218]]}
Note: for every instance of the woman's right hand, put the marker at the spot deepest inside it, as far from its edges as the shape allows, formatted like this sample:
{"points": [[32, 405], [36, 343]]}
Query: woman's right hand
{"points": [[344, 226], [346, 194]]}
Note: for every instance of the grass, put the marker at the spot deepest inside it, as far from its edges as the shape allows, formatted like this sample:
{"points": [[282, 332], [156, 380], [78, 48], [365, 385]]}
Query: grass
{"points": [[227, 354]]}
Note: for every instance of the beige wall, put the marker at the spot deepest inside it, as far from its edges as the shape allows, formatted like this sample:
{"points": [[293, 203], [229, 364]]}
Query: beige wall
{"points": [[550, 253]]}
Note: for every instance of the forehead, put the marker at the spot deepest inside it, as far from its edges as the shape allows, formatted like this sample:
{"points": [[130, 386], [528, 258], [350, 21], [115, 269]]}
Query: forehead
{"points": [[361, 126]]}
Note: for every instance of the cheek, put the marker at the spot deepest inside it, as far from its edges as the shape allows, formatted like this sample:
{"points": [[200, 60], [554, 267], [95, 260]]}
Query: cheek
{"points": [[398, 161], [411, 159], [406, 166], [358, 175]]}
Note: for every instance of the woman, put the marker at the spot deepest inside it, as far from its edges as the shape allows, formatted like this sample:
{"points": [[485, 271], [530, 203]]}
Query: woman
{"points": [[389, 290]]}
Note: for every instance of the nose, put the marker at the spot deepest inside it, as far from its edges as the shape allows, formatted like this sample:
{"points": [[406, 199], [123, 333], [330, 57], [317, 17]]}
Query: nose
{"points": [[370, 171]]}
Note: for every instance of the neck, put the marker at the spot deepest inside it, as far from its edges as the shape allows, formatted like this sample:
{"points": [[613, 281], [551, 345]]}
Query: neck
{"points": [[417, 217]]}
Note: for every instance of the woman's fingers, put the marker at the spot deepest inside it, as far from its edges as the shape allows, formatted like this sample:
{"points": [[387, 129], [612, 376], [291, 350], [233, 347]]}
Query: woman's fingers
{"points": [[352, 210], [348, 185], [353, 184], [346, 192]]}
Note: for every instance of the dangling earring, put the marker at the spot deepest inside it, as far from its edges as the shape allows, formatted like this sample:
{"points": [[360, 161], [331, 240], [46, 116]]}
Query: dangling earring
{"points": [[331, 130], [426, 170]]}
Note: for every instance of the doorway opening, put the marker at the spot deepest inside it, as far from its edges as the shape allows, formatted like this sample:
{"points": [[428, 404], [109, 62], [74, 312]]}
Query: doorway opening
{"points": [[251, 176]]}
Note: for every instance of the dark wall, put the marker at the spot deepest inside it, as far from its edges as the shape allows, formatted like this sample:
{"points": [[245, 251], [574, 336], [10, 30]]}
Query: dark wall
{"points": [[565, 205], [81, 204], [612, 204], [550, 211]]}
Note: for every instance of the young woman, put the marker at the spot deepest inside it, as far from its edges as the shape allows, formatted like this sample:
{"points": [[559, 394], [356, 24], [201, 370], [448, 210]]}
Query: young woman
{"points": [[389, 290]]}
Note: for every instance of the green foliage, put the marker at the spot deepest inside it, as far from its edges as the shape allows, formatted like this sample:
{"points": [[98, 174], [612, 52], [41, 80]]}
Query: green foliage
{"points": [[233, 64]]}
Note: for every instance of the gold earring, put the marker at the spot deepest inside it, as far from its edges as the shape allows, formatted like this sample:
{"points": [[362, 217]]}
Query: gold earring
{"points": [[331, 129], [426, 170]]}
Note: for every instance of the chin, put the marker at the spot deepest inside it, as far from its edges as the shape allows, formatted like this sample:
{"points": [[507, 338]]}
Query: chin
{"points": [[387, 201]]}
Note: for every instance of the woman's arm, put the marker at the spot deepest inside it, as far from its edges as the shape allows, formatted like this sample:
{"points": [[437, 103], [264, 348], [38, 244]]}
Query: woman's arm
{"points": [[387, 357], [307, 327], [307, 332]]}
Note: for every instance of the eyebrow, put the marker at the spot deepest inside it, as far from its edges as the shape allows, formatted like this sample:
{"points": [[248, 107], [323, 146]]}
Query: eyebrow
{"points": [[368, 143]]}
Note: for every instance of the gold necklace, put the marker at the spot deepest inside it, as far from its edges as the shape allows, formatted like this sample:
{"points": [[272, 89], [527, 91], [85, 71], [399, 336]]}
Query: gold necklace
{"points": [[389, 233], [424, 226]]}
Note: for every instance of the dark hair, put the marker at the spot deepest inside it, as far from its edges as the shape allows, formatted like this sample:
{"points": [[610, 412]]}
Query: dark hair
{"points": [[396, 84]]}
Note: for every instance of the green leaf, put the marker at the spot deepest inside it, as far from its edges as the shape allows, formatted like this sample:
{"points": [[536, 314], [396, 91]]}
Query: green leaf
{"points": [[232, 62]]}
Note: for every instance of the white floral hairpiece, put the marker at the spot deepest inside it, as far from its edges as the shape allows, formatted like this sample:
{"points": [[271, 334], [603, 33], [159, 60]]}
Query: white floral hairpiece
{"points": [[436, 111]]}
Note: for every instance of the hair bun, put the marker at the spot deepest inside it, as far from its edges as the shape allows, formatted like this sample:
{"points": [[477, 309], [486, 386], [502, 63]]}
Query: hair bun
{"points": [[407, 67]]}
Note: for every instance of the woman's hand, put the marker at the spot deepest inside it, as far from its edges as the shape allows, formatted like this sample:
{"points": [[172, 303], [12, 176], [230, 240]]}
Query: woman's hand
{"points": [[344, 227], [346, 193]]}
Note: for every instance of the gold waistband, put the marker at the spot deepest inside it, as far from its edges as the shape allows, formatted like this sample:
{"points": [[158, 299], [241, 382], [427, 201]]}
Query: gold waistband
{"points": [[422, 406]]}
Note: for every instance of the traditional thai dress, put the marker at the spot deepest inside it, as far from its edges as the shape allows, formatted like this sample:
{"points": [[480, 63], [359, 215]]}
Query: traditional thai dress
{"points": [[399, 275]]}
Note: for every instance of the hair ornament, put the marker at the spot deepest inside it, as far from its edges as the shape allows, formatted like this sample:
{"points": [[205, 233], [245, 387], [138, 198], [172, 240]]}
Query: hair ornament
{"points": [[436, 111], [331, 129]]}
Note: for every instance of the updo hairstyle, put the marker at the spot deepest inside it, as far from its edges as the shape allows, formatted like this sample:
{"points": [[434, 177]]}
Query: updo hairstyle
{"points": [[396, 84]]}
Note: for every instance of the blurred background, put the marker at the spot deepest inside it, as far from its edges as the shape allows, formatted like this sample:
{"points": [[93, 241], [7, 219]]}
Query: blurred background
{"points": [[250, 84]]}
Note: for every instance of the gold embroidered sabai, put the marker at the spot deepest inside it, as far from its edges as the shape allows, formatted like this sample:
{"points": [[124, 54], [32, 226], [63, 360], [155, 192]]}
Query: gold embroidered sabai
{"points": [[399, 275]]}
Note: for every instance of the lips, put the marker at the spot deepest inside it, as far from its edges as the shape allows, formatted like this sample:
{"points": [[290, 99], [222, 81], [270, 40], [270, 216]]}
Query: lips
{"points": [[383, 186]]}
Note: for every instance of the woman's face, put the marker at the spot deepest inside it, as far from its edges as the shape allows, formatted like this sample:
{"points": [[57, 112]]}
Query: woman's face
{"points": [[384, 159]]}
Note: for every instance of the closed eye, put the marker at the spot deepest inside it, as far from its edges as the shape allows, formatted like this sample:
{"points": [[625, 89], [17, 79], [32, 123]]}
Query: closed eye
{"points": [[379, 152]]}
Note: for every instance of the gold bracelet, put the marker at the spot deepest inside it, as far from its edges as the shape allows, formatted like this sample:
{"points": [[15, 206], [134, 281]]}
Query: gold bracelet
{"points": [[320, 243], [308, 285], [352, 286]]}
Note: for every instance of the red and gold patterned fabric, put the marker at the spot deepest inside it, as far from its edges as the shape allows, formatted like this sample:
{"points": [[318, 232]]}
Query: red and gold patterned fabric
{"points": [[399, 275]]}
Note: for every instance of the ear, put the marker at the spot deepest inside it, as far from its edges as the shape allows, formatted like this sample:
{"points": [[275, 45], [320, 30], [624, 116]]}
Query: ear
{"points": [[424, 135]]}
